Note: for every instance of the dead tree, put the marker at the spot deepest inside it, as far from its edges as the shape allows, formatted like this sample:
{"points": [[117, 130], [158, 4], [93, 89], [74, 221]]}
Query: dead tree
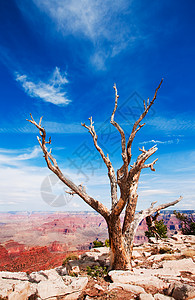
{"points": [[121, 236]]}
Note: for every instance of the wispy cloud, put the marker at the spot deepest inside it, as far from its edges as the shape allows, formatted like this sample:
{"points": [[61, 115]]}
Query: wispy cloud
{"points": [[94, 19], [13, 158], [51, 91], [110, 26], [178, 123], [176, 141]]}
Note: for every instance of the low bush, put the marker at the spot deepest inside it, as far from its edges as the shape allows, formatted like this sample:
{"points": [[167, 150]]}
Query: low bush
{"points": [[70, 257], [97, 271], [166, 250], [187, 223]]}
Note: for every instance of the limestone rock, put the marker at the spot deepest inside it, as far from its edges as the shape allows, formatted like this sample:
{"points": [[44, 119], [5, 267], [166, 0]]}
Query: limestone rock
{"points": [[162, 297], [181, 291], [177, 266], [146, 297], [141, 278], [127, 287], [37, 277], [14, 275], [136, 254], [98, 287], [22, 291], [147, 254], [100, 255], [62, 271], [56, 286]]}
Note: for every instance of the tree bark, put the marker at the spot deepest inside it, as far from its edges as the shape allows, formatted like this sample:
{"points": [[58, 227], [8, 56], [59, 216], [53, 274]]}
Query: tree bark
{"points": [[119, 257]]}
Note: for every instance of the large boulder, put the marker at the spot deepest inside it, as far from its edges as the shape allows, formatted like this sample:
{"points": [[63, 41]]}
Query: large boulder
{"points": [[22, 291], [100, 255], [56, 286], [181, 291]]}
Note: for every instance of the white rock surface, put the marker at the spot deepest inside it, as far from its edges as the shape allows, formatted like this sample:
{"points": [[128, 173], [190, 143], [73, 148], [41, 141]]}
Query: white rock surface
{"points": [[146, 297], [136, 254], [98, 287], [141, 278], [56, 286], [162, 297], [22, 291], [14, 275], [176, 266], [127, 287]]}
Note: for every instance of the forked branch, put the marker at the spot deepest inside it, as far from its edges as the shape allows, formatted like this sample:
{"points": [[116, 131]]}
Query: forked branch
{"points": [[131, 229], [137, 126], [111, 172], [53, 166], [118, 127]]}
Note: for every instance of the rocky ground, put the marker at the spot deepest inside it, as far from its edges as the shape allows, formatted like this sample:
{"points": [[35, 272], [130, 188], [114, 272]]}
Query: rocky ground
{"points": [[161, 270]]}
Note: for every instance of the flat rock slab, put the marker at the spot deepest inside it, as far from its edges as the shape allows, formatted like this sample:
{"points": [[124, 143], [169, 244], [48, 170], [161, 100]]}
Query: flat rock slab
{"points": [[56, 286], [146, 297], [127, 287], [141, 279], [179, 265], [162, 297]]}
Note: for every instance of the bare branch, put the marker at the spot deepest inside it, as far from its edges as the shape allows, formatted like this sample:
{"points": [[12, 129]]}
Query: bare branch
{"points": [[132, 182], [135, 128], [140, 162], [144, 104], [142, 149], [53, 166], [118, 127], [111, 172], [151, 165], [131, 229], [80, 186]]}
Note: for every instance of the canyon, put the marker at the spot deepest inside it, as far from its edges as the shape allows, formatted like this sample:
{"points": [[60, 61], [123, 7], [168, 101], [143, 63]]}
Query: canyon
{"points": [[42, 240]]}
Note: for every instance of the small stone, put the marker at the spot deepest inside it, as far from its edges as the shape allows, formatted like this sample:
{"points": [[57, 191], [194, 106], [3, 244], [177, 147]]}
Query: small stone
{"points": [[98, 287], [136, 254], [147, 254], [146, 297]]}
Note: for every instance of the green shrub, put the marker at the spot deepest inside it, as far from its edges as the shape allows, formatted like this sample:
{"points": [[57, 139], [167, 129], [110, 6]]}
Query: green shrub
{"points": [[97, 244], [107, 244], [166, 250], [97, 271], [187, 223], [155, 228], [70, 257]]}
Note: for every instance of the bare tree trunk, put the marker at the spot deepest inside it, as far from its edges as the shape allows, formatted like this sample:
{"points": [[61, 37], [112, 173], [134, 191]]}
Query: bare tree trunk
{"points": [[119, 258]]}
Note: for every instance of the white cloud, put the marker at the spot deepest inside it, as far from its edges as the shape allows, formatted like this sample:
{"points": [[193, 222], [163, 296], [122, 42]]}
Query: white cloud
{"points": [[94, 19], [150, 192], [51, 91], [109, 25], [178, 123], [160, 142], [14, 158]]}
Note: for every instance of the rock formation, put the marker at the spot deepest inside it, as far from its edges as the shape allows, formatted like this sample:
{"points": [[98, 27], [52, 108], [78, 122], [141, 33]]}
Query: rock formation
{"points": [[163, 270]]}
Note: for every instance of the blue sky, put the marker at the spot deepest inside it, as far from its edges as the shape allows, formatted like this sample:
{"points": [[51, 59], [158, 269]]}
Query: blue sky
{"points": [[59, 59]]}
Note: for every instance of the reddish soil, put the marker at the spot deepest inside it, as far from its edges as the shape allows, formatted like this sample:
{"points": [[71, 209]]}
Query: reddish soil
{"points": [[34, 259]]}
